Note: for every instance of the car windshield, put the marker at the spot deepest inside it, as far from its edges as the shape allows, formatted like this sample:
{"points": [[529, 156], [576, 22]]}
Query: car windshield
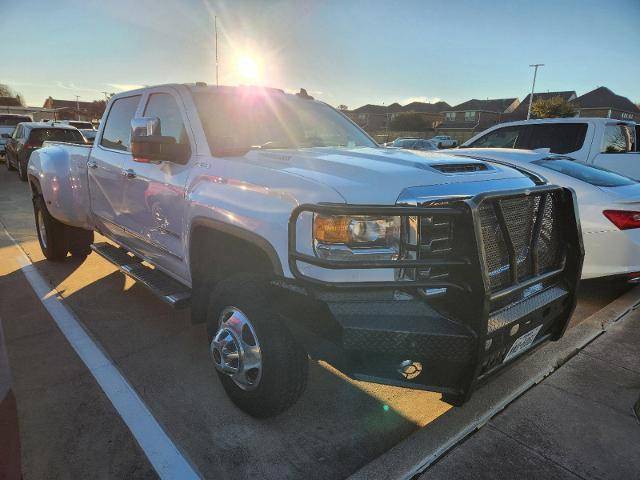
{"points": [[587, 173], [81, 124], [40, 135], [12, 120], [274, 121], [404, 142]]}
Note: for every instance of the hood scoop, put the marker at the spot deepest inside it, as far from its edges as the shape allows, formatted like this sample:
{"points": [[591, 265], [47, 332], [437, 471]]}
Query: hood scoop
{"points": [[461, 167]]}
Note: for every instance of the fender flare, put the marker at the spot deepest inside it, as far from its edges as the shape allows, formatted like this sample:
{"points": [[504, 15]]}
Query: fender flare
{"points": [[242, 234]]}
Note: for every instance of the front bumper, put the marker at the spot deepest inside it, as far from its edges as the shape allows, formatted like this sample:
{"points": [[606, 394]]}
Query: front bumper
{"points": [[391, 332]]}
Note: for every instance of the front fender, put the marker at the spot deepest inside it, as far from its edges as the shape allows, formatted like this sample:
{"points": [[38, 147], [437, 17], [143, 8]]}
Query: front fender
{"points": [[61, 172]]}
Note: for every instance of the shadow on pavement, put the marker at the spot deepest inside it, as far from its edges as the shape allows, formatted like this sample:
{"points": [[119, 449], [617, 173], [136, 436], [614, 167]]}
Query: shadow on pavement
{"points": [[336, 427]]}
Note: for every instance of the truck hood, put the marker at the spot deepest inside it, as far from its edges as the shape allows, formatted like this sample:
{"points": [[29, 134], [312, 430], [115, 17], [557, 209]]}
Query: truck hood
{"points": [[379, 175]]}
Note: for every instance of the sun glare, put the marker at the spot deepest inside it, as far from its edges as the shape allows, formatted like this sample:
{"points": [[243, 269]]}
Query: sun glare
{"points": [[248, 67]]}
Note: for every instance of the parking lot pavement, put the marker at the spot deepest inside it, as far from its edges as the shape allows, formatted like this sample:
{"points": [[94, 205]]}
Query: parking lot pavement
{"points": [[71, 430], [577, 424]]}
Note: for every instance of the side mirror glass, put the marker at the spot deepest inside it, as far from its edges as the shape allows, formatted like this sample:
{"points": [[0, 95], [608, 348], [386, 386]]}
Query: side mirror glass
{"points": [[149, 145]]}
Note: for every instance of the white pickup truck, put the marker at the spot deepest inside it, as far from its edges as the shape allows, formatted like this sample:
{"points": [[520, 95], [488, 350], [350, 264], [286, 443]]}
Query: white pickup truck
{"points": [[604, 142], [292, 234]]}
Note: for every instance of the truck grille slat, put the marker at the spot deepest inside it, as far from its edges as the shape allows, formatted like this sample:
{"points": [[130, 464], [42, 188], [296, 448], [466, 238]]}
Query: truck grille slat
{"points": [[521, 234]]}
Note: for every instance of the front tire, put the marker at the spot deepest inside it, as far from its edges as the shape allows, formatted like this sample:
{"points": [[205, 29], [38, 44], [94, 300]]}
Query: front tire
{"points": [[245, 330], [51, 233], [22, 170], [7, 162]]}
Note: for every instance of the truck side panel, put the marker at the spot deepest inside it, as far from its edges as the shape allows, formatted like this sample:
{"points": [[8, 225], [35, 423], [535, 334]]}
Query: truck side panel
{"points": [[61, 171]]}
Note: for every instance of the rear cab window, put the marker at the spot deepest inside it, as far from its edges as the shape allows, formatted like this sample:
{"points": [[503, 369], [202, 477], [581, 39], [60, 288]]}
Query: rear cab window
{"points": [[40, 135], [117, 129], [596, 176], [12, 120]]}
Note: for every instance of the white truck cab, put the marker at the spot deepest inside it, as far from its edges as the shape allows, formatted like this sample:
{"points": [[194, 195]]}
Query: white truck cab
{"points": [[291, 233], [604, 142]]}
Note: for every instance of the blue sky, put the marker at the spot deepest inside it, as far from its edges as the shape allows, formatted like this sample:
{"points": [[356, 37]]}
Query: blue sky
{"points": [[344, 52]]}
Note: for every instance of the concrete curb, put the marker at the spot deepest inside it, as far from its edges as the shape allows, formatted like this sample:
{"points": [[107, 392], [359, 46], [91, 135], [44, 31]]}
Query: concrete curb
{"points": [[418, 451]]}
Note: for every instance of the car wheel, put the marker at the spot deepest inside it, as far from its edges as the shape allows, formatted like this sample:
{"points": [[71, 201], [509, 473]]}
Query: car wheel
{"points": [[261, 366], [8, 163], [80, 241], [51, 233], [22, 170]]}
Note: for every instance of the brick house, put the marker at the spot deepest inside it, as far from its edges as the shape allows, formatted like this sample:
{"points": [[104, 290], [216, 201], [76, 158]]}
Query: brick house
{"points": [[466, 119], [10, 102], [375, 118], [520, 112], [72, 110], [602, 102]]}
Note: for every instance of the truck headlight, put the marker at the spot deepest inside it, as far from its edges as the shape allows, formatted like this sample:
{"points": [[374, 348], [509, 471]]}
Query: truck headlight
{"points": [[356, 237]]}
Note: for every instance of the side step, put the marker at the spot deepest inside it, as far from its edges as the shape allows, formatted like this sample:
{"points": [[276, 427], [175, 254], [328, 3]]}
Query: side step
{"points": [[162, 285]]}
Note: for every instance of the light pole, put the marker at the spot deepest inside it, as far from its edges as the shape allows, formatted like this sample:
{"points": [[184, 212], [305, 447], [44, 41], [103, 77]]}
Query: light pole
{"points": [[533, 86], [77, 107]]}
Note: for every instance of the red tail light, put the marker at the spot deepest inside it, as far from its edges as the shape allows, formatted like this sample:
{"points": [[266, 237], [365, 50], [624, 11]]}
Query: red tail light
{"points": [[622, 219]]}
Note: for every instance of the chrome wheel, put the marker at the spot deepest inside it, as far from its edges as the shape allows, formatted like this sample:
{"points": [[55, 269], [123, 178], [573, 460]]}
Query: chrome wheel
{"points": [[42, 232], [235, 349]]}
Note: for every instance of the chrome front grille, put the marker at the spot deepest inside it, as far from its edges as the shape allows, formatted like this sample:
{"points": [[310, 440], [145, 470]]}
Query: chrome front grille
{"points": [[521, 238]]}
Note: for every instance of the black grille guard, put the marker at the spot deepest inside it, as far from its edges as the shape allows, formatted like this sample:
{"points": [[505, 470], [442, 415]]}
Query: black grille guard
{"points": [[465, 339]]}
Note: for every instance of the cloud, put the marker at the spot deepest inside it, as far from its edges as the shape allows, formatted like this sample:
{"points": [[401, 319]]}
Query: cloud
{"points": [[422, 99], [123, 87]]}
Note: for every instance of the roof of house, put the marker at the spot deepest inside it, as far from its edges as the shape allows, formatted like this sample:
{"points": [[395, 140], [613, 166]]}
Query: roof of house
{"points": [[602, 97], [71, 104], [524, 105], [498, 105], [419, 107], [10, 102], [423, 107]]}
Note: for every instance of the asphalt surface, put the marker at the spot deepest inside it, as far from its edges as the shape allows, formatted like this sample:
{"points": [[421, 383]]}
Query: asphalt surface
{"points": [[70, 429]]}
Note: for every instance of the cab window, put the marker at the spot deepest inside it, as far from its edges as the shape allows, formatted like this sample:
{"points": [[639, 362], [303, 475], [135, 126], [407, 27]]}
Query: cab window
{"points": [[506, 137], [164, 107], [557, 137], [117, 129]]}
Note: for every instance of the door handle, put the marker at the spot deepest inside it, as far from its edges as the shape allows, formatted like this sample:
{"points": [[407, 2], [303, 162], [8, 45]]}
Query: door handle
{"points": [[92, 164], [129, 173]]}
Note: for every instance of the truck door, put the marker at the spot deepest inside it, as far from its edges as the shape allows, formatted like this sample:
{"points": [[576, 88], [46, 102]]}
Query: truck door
{"points": [[105, 165], [154, 191], [619, 151]]}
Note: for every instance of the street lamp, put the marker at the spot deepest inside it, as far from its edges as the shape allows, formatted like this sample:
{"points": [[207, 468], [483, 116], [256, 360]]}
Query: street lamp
{"points": [[533, 86]]}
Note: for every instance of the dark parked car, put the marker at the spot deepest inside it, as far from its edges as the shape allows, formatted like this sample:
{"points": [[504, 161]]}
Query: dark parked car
{"points": [[9, 436], [29, 136], [8, 122]]}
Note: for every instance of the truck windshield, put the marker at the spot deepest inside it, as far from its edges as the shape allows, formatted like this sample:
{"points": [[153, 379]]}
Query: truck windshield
{"points": [[259, 120], [587, 173]]}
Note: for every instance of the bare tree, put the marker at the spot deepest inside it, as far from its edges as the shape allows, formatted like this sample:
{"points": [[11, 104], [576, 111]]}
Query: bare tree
{"points": [[7, 91]]}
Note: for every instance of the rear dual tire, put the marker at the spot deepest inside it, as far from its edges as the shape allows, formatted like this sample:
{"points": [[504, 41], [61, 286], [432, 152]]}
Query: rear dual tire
{"points": [[57, 239]]}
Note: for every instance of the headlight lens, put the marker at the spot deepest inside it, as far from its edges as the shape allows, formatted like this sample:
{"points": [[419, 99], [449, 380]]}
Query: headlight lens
{"points": [[349, 237]]}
